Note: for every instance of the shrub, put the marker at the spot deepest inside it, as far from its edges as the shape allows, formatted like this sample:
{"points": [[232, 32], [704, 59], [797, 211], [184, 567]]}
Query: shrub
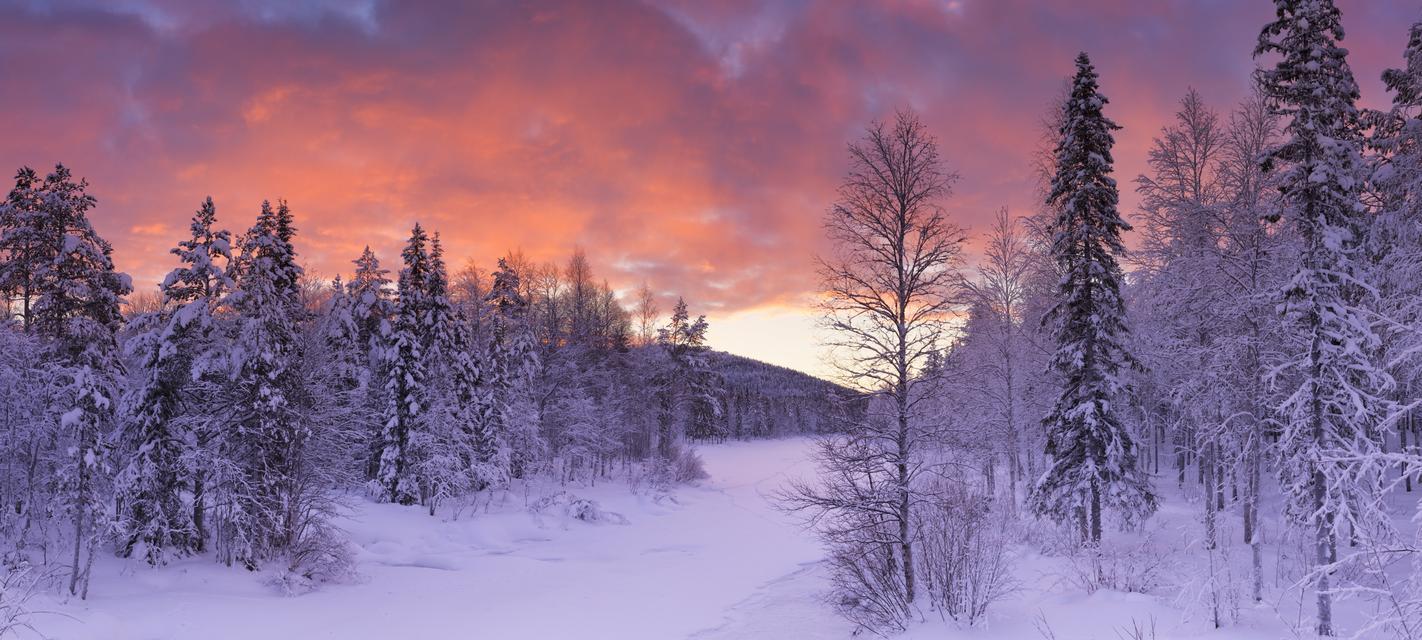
{"points": [[1132, 567], [867, 585], [963, 558]]}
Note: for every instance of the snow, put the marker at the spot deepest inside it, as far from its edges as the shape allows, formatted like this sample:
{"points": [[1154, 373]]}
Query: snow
{"points": [[681, 565], [715, 561]]}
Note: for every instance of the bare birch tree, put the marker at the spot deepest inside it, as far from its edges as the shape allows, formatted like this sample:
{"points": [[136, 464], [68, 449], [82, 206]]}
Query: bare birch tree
{"points": [[889, 287]]}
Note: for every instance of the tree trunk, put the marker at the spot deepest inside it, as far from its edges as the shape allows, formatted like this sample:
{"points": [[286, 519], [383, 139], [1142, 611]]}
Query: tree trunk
{"points": [[1095, 513], [1207, 466], [903, 480], [1252, 536], [199, 544], [1402, 447], [1324, 556]]}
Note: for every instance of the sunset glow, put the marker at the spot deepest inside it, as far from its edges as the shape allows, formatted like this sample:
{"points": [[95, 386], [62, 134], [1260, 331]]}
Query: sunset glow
{"points": [[693, 145]]}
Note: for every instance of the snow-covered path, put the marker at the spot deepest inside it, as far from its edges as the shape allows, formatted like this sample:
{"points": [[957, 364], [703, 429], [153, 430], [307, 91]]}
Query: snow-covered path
{"points": [[704, 565]]}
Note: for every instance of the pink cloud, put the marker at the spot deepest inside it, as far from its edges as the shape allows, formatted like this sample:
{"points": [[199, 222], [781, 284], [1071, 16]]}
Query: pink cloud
{"points": [[692, 144]]}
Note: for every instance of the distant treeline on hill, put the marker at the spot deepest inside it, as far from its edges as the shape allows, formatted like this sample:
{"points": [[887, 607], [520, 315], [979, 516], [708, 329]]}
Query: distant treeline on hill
{"points": [[762, 400]]}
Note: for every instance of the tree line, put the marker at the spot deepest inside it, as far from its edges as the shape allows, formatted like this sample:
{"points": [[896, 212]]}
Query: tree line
{"points": [[1256, 346], [232, 411]]}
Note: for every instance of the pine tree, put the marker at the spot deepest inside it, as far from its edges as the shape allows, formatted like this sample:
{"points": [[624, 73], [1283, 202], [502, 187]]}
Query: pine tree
{"points": [[1093, 455], [371, 303], [439, 331], [1329, 445], [163, 453], [440, 445], [1395, 249], [408, 396], [264, 444], [690, 383], [64, 273], [372, 310], [23, 232], [1394, 240], [512, 362], [340, 331]]}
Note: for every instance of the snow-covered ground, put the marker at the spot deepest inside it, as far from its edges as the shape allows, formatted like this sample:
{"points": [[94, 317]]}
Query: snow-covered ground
{"points": [[714, 562], [678, 567]]}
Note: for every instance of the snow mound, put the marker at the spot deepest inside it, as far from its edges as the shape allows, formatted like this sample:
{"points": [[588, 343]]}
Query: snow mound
{"points": [[573, 508]]}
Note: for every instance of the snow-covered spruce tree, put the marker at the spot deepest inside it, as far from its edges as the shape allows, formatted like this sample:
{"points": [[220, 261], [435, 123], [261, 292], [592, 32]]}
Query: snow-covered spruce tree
{"points": [[1394, 241], [1093, 456], [23, 244], [73, 296], [161, 438], [25, 409], [406, 387], [510, 443], [372, 306], [889, 282], [372, 309], [439, 445], [340, 334], [440, 332], [1394, 248], [1331, 441], [480, 456], [689, 387], [262, 443]]}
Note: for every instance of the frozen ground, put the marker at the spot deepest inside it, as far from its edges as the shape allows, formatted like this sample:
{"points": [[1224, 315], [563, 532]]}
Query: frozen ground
{"points": [[715, 562], [677, 568]]}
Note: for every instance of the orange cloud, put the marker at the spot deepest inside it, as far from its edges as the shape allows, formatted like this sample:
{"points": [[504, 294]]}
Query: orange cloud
{"points": [[691, 144]]}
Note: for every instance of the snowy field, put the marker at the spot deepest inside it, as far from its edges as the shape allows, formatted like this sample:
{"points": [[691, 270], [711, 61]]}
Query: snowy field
{"points": [[678, 568], [715, 561]]}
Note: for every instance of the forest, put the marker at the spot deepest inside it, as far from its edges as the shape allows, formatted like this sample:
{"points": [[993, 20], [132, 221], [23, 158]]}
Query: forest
{"points": [[227, 411], [1247, 341]]}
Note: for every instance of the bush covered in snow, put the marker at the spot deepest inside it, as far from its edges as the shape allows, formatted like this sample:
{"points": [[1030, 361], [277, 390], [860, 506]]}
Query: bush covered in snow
{"points": [[571, 507], [680, 466], [320, 556], [963, 553], [1131, 566], [19, 584]]}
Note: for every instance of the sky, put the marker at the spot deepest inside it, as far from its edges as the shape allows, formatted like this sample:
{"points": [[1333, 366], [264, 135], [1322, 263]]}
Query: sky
{"points": [[693, 145]]}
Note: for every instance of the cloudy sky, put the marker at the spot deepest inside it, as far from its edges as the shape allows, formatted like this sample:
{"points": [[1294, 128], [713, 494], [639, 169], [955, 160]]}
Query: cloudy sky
{"points": [[691, 144]]}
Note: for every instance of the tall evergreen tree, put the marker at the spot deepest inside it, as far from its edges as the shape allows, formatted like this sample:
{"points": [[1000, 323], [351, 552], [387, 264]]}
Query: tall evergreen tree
{"points": [[512, 362], [162, 435], [1394, 241], [371, 303], [372, 309], [265, 441], [340, 332], [439, 331], [689, 387], [23, 223], [408, 396], [1329, 443], [1093, 455], [64, 273]]}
